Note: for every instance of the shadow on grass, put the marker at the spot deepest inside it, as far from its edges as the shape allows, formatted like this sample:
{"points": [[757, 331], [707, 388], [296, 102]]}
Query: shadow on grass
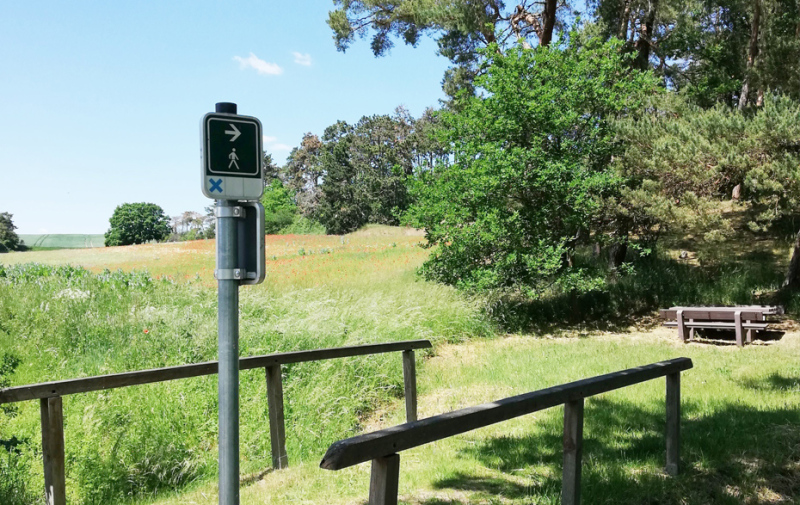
{"points": [[736, 455], [654, 282], [774, 382]]}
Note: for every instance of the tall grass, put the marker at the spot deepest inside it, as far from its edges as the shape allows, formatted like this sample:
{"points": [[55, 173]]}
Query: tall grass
{"points": [[63, 322]]}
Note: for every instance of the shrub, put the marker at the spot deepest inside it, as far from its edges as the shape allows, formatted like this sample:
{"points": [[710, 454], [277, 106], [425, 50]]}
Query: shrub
{"points": [[529, 169]]}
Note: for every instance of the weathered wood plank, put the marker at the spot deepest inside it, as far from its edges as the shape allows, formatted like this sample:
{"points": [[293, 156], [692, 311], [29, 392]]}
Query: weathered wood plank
{"points": [[738, 319], [573, 452], [112, 381], [277, 425], [410, 385], [368, 446], [719, 325], [383, 481], [767, 309], [715, 314], [52, 418], [673, 423], [681, 326]]}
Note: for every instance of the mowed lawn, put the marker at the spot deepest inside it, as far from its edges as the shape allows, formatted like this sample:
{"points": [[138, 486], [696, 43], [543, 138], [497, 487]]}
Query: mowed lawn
{"points": [[741, 407]]}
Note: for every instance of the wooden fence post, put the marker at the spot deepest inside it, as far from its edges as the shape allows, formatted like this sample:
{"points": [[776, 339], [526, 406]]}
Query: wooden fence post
{"points": [[573, 450], [277, 428], [383, 482], [410, 384], [673, 422], [52, 417]]}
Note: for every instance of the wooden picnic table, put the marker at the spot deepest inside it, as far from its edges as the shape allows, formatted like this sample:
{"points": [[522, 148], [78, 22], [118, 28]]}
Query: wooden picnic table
{"points": [[742, 318]]}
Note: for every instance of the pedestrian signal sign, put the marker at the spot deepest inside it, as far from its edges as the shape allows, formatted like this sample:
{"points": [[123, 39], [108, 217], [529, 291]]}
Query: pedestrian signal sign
{"points": [[232, 157]]}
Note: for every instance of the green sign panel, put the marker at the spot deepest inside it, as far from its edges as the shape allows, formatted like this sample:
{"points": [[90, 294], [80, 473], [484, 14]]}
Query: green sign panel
{"points": [[232, 157]]}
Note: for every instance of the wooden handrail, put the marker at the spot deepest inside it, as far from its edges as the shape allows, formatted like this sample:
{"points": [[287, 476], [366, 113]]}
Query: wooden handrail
{"points": [[112, 381], [382, 447], [49, 395], [399, 438]]}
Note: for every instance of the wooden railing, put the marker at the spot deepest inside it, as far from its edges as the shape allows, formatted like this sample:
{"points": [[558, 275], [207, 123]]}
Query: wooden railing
{"points": [[381, 447], [49, 395]]}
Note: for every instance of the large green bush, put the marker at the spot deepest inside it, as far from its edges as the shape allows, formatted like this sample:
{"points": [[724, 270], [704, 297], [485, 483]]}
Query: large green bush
{"points": [[681, 161], [530, 167], [279, 207]]}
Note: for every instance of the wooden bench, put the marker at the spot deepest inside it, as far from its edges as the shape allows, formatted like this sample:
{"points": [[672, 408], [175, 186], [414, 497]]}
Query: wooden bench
{"points": [[744, 320]]}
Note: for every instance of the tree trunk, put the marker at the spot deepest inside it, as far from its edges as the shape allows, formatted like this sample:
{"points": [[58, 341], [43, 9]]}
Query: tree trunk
{"points": [[617, 253], [793, 275], [752, 53], [626, 16], [645, 42], [542, 24], [548, 22]]}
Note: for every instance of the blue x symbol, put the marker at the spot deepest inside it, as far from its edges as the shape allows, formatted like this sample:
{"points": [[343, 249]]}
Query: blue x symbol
{"points": [[215, 185]]}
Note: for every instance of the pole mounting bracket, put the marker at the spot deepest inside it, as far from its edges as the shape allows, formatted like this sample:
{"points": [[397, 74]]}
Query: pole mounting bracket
{"points": [[229, 211], [230, 274]]}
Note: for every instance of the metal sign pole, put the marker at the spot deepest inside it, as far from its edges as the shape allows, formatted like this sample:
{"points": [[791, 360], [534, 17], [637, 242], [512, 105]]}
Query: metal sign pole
{"points": [[228, 326], [232, 174]]}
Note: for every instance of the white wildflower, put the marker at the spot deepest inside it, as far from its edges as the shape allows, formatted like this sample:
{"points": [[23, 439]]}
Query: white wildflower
{"points": [[73, 294]]}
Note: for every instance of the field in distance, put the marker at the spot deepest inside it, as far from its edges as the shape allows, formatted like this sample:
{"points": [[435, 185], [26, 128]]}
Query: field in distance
{"points": [[62, 241], [292, 260]]}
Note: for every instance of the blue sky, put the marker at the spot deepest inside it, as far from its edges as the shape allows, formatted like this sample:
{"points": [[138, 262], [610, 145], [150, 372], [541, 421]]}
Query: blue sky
{"points": [[102, 100]]}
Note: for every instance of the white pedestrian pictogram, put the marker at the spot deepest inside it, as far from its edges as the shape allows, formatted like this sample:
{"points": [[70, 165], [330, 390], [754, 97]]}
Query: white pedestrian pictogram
{"points": [[232, 156]]}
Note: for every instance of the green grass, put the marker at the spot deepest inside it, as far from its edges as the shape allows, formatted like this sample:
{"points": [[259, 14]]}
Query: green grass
{"points": [[740, 429], [157, 443], [62, 241], [133, 443]]}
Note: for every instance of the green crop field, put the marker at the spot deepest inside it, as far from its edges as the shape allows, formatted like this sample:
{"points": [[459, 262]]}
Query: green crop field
{"points": [[138, 307], [62, 241]]}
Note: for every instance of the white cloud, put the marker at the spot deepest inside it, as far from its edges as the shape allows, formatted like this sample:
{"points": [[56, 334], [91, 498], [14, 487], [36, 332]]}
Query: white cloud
{"points": [[271, 144], [259, 65], [302, 59]]}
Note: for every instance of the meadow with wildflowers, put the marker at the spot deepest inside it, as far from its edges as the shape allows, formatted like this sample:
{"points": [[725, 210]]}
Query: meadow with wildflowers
{"points": [[66, 314]]}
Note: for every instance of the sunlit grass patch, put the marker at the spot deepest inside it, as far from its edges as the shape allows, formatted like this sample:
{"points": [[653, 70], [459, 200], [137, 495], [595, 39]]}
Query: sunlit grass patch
{"points": [[154, 305], [740, 429]]}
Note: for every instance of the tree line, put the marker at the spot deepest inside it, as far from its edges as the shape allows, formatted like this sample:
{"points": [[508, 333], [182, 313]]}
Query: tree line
{"points": [[607, 128]]}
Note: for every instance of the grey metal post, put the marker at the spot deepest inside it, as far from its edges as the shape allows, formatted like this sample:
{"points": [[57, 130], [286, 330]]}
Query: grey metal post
{"points": [[228, 327]]}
